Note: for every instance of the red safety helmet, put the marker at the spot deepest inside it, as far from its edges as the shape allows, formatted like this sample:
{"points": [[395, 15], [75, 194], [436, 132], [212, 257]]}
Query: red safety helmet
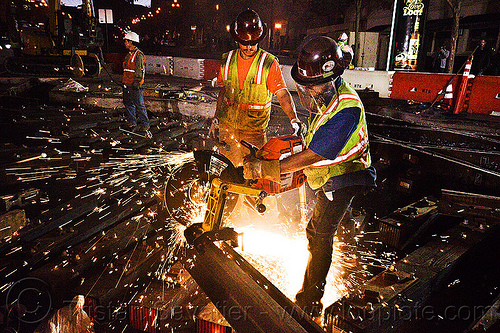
{"points": [[320, 60], [248, 29]]}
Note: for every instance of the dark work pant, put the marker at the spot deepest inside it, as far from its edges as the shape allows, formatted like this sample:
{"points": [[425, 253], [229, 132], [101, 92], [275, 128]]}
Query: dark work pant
{"points": [[134, 105], [320, 232]]}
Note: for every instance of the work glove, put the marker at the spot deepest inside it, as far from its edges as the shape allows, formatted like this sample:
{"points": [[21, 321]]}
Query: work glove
{"points": [[299, 128], [213, 131], [348, 53], [253, 168]]}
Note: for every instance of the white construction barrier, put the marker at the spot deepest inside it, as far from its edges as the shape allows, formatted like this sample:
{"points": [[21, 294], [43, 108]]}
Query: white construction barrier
{"points": [[379, 81], [189, 68], [159, 65]]}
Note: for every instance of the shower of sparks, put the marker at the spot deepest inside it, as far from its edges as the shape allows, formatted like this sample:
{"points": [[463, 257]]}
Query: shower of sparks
{"points": [[281, 255], [283, 258]]}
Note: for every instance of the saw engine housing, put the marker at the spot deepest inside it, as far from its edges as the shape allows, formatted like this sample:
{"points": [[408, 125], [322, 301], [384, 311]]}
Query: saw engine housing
{"points": [[277, 149]]}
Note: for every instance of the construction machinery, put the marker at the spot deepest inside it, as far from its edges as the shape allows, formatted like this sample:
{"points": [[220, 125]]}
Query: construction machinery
{"points": [[64, 46]]}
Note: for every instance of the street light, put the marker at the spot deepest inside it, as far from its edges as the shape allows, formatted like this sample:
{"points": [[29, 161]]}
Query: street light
{"points": [[277, 28]]}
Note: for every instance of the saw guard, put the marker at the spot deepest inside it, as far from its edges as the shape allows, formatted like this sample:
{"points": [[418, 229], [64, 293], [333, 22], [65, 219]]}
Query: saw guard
{"points": [[186, 189]]}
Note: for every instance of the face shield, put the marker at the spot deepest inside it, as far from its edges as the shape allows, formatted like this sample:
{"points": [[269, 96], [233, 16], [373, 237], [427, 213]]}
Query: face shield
{"points": [[314, 97]]}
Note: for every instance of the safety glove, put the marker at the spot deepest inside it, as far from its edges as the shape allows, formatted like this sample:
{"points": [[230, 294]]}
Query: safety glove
{"points": [[213, 131], [253, 168], [299, 128]]}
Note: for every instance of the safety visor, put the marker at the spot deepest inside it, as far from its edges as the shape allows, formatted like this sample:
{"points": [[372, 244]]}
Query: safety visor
{"points": [[248, 42], [314, 97]]}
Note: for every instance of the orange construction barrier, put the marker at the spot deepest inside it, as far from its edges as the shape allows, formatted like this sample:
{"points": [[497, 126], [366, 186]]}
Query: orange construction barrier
{"points": [[481, 95], [485, 95], [419, 87]]}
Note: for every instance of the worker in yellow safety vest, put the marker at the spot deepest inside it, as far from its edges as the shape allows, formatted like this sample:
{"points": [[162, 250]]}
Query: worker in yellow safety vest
{"points": [[336, 160], [249, 77], [133, 79]]}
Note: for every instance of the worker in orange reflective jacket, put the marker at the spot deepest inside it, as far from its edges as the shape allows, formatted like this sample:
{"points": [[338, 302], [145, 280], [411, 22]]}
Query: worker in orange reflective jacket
{"points": [[249, 77], [133, 79], [336, 160]]}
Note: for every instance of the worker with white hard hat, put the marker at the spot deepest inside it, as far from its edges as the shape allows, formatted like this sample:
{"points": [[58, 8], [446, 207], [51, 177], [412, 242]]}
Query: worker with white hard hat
{"points": [[133, 78]]}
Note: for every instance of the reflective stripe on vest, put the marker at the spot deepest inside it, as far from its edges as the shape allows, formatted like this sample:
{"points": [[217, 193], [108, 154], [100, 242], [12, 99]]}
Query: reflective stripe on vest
{"points": [[247, 105], [248, 108], [129, 68], [261, 68], [226, 67], [354, 156], [333, 106]]}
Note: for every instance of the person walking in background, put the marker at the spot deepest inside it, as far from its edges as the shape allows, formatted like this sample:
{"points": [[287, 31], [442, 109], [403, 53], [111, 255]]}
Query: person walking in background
{"points": [[441, 59], [133, 78], [482, 58]]}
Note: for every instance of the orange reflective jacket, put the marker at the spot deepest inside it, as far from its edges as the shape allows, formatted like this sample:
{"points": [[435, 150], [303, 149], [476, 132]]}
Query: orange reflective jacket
{"points": [[129, 67]]}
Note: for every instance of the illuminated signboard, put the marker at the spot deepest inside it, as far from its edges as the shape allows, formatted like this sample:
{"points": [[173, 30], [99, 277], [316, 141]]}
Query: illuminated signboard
{"points": [[407, 37], [71, 3], [145, 3]]}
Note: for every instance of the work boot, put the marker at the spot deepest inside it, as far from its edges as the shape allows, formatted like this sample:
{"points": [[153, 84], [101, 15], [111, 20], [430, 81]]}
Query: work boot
{"points": [[141, 128], [128, 126]]}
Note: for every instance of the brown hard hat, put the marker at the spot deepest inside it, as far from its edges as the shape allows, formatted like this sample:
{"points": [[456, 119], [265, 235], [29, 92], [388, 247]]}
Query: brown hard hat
{"points": [[320, 60], [248, 28]]}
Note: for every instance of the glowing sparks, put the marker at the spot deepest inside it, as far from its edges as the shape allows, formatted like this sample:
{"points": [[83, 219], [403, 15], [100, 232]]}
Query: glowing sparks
{"points": [[283, 258], [281, 255], [280, 258]]}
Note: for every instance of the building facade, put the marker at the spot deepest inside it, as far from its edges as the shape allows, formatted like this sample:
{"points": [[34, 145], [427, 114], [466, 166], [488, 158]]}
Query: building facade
{"points": [[478, 20]]}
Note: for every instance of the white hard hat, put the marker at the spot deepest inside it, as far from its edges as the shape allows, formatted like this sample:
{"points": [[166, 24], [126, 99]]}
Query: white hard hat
{"points": [[132, 36]]}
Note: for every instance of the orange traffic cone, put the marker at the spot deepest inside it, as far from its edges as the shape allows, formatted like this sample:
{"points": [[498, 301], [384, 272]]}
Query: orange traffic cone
{"points": [[448, 97], [463, 85]]}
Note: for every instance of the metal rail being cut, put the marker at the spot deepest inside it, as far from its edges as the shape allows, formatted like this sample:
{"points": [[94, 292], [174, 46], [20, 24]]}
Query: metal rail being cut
{"points": [[246, 299]]}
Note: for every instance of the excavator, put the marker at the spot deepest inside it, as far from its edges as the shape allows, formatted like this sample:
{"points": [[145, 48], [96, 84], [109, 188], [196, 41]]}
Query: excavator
{"points": [[62, 48]]}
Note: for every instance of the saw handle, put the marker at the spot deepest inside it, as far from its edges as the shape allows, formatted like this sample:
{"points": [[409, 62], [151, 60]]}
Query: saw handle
{"points": [[253, 152], [253, 149]]}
